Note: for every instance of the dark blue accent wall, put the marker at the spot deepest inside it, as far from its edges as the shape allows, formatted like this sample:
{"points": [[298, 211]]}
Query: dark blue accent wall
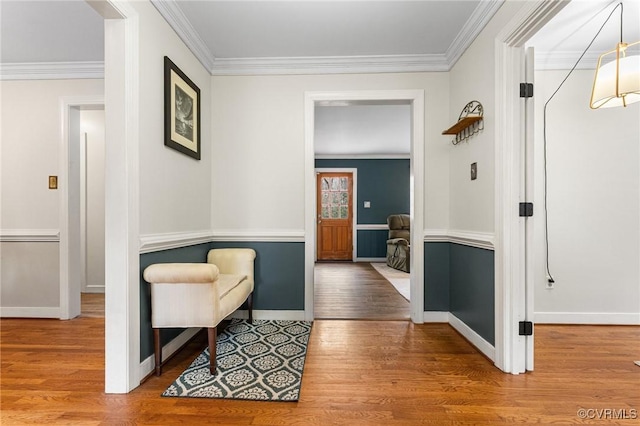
{"points": [[372, 243], [436, 276], [279, 274], [384, 182], [471, 287]]}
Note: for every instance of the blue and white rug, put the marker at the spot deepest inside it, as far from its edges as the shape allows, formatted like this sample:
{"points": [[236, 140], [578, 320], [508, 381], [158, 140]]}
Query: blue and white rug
{"points": [[262, 361]]}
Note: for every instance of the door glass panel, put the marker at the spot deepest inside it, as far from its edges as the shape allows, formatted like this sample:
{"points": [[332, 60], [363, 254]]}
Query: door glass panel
{"points": [[334, 198]]}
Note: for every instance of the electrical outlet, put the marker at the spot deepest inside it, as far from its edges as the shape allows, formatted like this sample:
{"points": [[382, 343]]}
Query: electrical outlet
{"points": [[550, 284], [474, 171]]}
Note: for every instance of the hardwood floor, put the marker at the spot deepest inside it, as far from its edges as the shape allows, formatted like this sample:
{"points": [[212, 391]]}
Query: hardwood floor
{"points": [[347, 290], [356, 373]]}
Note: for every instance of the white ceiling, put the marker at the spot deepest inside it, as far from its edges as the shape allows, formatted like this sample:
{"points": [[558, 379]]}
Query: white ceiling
{"points": [[560, 42], [50, 31]]}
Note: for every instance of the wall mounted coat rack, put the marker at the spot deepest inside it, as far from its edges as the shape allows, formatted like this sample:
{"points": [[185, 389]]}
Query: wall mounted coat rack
{"points": [[469, 122]]}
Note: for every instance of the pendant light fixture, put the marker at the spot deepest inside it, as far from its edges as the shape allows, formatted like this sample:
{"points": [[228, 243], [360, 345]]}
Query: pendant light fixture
{"points": [[617, 79]]}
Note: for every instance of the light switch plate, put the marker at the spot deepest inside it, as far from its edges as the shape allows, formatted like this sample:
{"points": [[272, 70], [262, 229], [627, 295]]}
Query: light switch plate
{"points": [[474, 171], [53, 182], [367, 204]]}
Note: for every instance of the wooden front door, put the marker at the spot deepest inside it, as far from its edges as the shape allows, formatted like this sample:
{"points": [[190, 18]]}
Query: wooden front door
{"points": [[335, 215]]}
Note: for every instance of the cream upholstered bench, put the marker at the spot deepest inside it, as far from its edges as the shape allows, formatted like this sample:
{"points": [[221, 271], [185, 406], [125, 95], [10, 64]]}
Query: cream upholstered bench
{"points": [[199, 294]]}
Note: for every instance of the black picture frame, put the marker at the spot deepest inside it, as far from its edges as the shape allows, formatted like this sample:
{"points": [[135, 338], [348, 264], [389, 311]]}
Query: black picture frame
{"points": [[181, 111]]}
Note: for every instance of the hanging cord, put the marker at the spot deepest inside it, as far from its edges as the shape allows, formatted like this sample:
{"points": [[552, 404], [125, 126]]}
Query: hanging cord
{"points": [[544, 132]]}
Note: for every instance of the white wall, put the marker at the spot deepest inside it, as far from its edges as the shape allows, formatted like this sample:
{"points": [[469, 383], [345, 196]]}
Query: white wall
{"points": [[175, 190], [473, 78], [30, 152], [593, 205], [258, 158], [92, 133]]}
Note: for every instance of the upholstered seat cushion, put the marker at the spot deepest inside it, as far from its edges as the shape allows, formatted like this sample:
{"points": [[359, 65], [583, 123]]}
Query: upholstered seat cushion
{"points": [[227, 282]]}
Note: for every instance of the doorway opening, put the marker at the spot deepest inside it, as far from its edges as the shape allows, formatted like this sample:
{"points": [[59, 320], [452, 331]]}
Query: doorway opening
{"points": [[358, 279]]}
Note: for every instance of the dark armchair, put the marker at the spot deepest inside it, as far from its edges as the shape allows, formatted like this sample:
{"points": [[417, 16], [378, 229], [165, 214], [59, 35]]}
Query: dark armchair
{"points": [[399, 242]]}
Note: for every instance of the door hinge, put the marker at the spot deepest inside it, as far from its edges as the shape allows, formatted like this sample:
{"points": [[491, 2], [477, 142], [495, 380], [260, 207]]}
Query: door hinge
{"points": [[526, 90], [526, 209], [525, 328]]}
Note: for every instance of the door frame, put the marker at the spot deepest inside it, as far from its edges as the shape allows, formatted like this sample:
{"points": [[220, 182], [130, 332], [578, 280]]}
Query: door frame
{"points": [[70, 209], [354, 204], [510, 243], [415, 98]]}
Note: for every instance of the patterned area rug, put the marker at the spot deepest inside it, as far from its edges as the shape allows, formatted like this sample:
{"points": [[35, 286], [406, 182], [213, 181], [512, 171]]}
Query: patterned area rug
{"points": [[262, 361]]}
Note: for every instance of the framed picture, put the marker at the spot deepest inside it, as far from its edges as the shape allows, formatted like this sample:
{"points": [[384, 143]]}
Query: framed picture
{"points": [[181, 111]]}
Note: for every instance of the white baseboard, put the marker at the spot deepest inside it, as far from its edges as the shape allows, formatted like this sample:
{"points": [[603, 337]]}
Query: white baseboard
{"points": [[148, 365], [38, 312], [270, 315], [371, 259], [435, 316], [476, 340], [592, 318], [93, 289]]}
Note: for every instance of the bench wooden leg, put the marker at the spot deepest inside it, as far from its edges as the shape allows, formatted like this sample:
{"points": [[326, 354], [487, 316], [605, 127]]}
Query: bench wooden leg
{"points": [[212, 335], [250, 307], [157, 350]]}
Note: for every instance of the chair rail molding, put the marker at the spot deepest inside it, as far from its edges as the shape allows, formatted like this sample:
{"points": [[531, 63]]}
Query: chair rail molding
{"points": [[482, 240], [150, 243], [259, 235], [30, 235]]}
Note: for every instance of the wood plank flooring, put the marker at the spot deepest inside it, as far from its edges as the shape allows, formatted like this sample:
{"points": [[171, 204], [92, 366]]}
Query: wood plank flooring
{"points": [[347, 290], [356, 373]]}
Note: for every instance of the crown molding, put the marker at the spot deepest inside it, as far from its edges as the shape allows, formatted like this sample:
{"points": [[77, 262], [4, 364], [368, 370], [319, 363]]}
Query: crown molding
{"points": [[565, 60], [330, 65], [174, 16], [474, 25], [51, 70]]}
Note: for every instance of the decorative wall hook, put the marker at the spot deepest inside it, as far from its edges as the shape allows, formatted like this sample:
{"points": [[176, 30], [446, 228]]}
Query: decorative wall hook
{"points": [[469, 122]]}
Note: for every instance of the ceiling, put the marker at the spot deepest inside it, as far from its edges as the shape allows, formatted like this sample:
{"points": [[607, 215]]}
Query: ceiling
{"points": [[562, 40]]}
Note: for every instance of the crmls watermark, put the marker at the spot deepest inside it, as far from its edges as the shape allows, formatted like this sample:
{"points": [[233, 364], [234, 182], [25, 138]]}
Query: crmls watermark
{"points": [[608, 413]]}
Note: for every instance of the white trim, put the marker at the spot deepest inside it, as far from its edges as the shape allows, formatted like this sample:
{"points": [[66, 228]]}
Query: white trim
{"points": [[157, 242], [52, 70], [354, 203], [371, 259], [482, 240], [471, 29], [474, 338], [363, 156], [94, 289], [593, 318], [69, 196], [148, 365], [416, 99], [330, 65], [436, 316], [292, 315], [510, 307], [172, 13], [372, 227], [30, 312], [259, 235], [122, 198], [30, 235], [565, 60]]}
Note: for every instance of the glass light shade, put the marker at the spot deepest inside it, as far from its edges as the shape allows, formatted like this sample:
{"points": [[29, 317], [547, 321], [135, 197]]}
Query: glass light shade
{"points": [[617, 83]]}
